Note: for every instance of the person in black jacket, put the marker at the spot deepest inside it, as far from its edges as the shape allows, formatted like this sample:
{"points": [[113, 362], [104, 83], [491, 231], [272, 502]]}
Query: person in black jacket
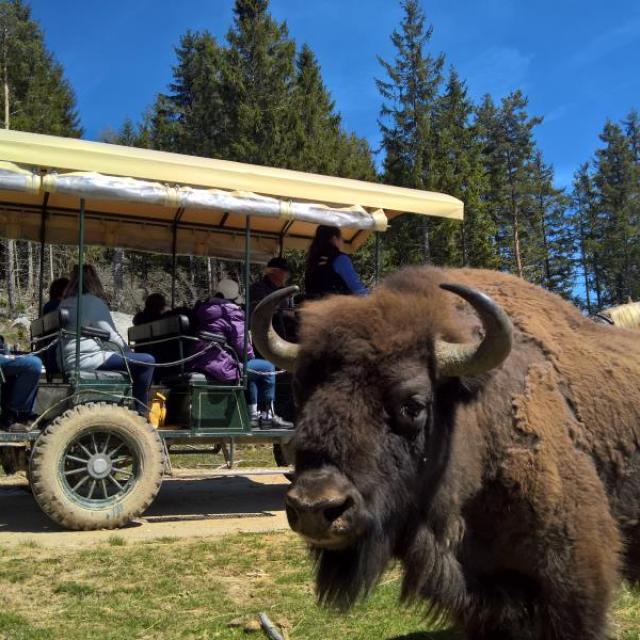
{"points": [[276, 275], [329, 270]]}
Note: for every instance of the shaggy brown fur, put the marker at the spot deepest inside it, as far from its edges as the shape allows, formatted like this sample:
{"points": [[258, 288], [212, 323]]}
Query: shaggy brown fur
{"points": [[517, 505]]}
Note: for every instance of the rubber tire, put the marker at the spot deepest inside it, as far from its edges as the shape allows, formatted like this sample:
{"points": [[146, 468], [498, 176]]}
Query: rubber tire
{"points": [[51, 445], [283, 454]]}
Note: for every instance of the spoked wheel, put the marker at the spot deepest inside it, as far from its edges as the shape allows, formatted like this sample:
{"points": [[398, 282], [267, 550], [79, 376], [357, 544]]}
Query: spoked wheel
{"points": [[97, 466]]}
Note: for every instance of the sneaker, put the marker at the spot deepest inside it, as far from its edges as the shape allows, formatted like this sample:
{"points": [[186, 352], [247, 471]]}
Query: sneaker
{"points": [[276, 422], [254, 420], [19, 427]]}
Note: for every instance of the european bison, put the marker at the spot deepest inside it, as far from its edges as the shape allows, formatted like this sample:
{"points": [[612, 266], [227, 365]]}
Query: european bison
{"points": [[500, 464], [624, 315]]}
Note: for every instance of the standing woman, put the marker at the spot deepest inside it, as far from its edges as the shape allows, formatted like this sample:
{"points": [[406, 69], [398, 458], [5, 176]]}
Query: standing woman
{"points": [[95, 354], [329, 270]]}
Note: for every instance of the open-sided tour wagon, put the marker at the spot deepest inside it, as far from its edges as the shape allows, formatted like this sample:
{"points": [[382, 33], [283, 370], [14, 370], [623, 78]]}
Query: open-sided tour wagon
{"points": [[92, 461]]}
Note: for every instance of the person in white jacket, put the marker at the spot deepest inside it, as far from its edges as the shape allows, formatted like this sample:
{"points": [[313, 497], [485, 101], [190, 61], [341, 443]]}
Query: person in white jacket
{"points": [[97, 354]]}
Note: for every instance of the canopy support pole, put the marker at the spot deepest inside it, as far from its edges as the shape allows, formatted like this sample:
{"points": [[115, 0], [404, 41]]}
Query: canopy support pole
{"points": [[80, 288], [378, 255], [247, 298], [43, 229], [174, 255], [283, 234]]}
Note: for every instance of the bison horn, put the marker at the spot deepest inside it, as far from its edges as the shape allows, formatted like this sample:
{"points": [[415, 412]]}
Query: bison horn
{"points": [[456, 360], [270, 345]]}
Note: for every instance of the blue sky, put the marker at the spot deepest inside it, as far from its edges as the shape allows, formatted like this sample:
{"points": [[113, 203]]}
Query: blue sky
{"points": [[577, 61]]}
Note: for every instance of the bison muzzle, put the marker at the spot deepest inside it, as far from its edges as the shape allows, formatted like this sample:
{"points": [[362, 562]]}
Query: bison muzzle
{"points": [[479, 430]]}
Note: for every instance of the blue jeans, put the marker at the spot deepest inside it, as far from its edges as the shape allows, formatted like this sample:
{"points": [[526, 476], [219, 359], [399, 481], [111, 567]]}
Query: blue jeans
{"points": [[142, 375], [262, 388], [23, 375]]}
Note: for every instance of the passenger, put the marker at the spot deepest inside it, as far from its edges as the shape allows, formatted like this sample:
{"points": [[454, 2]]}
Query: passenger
{"points": [[97, 355], [56, 293], [223, 315], [276, 275], [329, 270], [154, 307], [21, 375]]}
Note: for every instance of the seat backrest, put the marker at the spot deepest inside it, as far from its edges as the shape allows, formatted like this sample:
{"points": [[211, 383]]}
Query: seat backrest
{"points": [[172, 330], [48, 325]]}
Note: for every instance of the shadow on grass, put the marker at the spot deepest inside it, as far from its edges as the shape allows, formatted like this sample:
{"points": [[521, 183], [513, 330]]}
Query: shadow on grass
{"points": [[447, 634]]}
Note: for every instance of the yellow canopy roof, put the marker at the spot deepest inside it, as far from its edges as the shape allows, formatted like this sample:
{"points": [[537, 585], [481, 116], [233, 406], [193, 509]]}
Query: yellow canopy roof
{"points": [[134, 197]]}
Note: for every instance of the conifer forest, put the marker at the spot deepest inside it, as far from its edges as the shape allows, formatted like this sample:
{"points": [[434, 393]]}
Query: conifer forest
{"points": [[258, 96]]}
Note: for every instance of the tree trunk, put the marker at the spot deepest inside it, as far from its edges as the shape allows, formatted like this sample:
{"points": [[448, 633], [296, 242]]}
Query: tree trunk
{"points": [[117, 267], [516, 242], [209, 277], [50, 263], [545, 246], [16, 266], [463, 244], [9, 254], [30, 271], [426, 241], [584, 261], [10, 246]]}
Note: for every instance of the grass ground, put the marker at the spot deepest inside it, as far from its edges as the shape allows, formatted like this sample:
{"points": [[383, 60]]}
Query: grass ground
{"points": [[170, 589], [201, 589], [246, 455]]}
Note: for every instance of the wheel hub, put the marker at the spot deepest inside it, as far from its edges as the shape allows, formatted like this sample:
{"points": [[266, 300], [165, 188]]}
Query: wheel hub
{"points": [[99, 466]]}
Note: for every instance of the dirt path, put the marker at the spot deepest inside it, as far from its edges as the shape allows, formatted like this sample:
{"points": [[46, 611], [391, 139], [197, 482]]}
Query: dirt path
{"points": [[190, 505]]}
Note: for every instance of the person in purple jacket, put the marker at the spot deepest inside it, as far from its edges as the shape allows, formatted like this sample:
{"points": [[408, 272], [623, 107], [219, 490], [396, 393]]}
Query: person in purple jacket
{"points": [[223, 315]]}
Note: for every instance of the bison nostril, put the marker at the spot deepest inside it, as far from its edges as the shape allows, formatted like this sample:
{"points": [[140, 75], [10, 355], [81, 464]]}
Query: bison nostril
{"points": [[292, 516], [331, 514]]}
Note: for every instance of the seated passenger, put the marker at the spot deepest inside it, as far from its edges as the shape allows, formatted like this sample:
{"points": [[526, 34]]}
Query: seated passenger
{"points": [[275, 276], [154, 307], [56, 293], [329, 270], [21, 376], [95, 354], [223, 315]]}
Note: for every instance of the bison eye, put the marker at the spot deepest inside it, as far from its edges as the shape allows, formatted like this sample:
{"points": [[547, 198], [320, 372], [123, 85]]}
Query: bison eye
{"points": [[410, 417]]}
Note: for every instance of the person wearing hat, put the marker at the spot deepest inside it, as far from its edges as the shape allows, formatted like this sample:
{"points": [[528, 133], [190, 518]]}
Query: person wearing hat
{"points": [[275, 276], [223, 315]]}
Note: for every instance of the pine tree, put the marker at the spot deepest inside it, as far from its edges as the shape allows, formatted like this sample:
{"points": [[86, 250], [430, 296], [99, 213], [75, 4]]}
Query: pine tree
{"points": [[632, 131], [192, 118], [616, 183], [508, 146], [316, 127], [258, 78], [458, 171], [557, 246], [410, 95], [585, 224], [35, 97]]}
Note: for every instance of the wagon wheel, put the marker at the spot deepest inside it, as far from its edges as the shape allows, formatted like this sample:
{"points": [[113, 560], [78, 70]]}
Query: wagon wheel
{"points": [[97, 466], [283, 454]]}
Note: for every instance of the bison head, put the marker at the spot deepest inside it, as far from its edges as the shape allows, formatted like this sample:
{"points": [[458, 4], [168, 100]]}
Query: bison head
{"points": [[376, 381]]}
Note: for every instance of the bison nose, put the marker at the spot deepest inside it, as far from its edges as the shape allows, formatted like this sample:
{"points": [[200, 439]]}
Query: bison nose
{"points": [[325, 508], [314, 517]]}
